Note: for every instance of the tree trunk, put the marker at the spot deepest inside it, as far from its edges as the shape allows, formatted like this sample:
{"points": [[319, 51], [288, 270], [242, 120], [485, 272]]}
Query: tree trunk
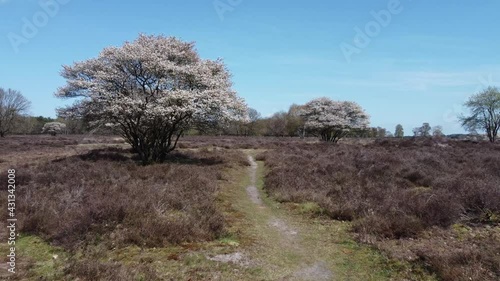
{"points": [[492, 138]]}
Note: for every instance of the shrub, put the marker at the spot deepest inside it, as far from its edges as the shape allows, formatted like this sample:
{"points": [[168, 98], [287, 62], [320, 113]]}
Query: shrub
{"points": [[105, 196], [399, 190]]}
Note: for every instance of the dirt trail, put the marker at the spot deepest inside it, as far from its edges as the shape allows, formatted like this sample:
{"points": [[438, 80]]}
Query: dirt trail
{"points": [[288, 237], [252, 190], [288, 242], [281, 226]]}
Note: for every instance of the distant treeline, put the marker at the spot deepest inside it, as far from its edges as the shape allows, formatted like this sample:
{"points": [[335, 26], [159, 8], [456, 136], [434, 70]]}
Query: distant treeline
{"points": [[32, 125], [281, 124]]}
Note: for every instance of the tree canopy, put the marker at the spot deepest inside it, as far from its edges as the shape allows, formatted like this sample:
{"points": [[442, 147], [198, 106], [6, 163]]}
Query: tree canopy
{"points": [[423, 131], [484, 113], [152, 90], [12, 105], [332, 120], [399, 132], [53, 128]]}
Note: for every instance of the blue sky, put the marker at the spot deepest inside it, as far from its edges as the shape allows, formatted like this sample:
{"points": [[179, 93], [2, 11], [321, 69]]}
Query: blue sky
{"points": [[418, 66]]}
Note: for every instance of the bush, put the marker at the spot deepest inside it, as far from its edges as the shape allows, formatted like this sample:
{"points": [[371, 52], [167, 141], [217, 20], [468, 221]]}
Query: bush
{"points": [[104, 196], [399, 190], [431, 184]]}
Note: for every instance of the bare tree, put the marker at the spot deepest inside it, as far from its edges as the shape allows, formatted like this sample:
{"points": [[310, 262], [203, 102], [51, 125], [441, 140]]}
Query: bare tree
{"points": [[12, 105], [253, 117], [277, 124], [381, 132], [485, 113], [295, 122], [437, 131], [424, 131]]}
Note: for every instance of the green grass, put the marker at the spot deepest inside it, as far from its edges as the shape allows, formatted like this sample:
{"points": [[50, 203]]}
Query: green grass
{"points": [[37, 260]]}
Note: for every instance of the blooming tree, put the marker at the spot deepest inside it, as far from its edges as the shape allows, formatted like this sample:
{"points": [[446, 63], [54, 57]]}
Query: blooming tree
{"points": [[333, 120], [53, 128], [152, 90]]}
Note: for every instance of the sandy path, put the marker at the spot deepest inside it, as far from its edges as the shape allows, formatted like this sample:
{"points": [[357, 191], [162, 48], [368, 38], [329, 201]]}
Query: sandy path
{"points": [[285, 242], [252, 190], [289, 237]]}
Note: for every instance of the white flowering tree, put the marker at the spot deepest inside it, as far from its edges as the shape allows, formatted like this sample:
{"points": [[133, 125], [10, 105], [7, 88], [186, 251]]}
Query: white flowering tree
{"points": [[53, 128], [152, 90], [333, 120]]}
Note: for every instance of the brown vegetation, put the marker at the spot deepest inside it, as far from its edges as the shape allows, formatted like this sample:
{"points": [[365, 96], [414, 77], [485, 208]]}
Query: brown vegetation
{"points": [[435, 203], [93, 269], [405, 191], [241, 142], [86, 199], [15, 144]]}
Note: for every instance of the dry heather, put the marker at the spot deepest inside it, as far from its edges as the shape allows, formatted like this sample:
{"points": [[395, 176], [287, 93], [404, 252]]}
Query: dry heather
{"points": [[40, 143], [14, 146], [236, 142], [105, 197], [15, 150], [407, 191]]}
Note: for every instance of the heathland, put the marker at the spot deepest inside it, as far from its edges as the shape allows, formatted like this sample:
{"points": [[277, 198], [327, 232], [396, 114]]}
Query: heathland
{"points": [[249, 208]]}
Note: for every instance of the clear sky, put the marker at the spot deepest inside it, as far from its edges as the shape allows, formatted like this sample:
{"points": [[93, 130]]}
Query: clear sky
{"points": [[417, 60]]}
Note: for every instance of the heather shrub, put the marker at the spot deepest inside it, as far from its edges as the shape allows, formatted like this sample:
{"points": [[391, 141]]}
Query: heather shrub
{"points": [[12, 145], [104, 196], [399, 189], [240, 142], [432, 184], [469, 254]]}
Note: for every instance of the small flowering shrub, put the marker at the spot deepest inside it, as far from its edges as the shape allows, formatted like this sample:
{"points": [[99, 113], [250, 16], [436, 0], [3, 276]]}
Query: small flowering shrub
{"points": [[53, 128], [333, 120]]}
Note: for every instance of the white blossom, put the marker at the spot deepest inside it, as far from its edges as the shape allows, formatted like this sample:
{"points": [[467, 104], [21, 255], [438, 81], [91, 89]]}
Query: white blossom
{"points": [[332, 120], [153, 88], [53, 128]]}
